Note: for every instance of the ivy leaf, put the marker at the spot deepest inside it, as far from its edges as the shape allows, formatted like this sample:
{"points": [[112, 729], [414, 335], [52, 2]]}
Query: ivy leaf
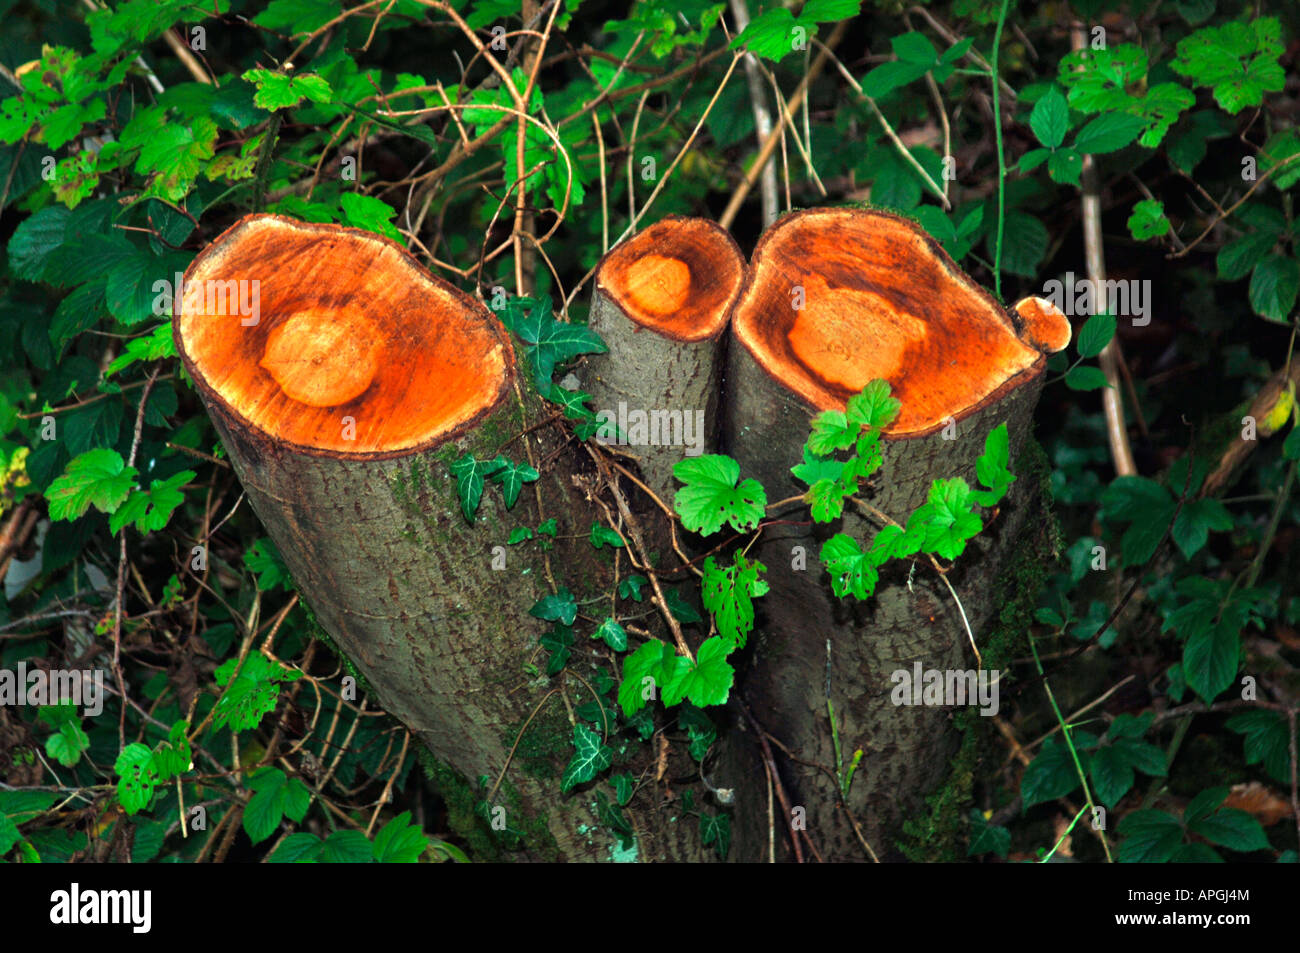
{"points": [[712, 495], [630, 588], [98, 478], [986, 838], [729, 592], [559, 607], [590, 758], [558, 642], [708, 681], [469, 474], [512, 476], [992, 468], [518, 535], [548, 342], [613, 634], [602, 536], [850, 568], [715, 829]]}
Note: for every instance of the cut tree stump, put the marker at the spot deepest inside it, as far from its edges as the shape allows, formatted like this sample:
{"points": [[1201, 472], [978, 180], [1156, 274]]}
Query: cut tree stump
{"points": [[661, 303], [833, 299], [341, 409]]}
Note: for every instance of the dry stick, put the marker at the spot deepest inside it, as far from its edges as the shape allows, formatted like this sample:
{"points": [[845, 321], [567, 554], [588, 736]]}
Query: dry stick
{"points": [[1116, 434], [1224, 213], [121, 562], [1295, 798], [525, 264], [769, 763], [604, 194], [762, 116], [804, 151], [634, 530], [769, 145]]}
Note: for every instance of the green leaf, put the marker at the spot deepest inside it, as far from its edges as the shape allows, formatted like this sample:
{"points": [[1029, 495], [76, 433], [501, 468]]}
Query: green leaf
{"points": [[915, 48], [769, 35], [830, 11], [831, 431], [602, 536], [1024, 243], [1050, 775], [36, 243], [1065, 166], [947, 518], [1096, 333], [712, 496], [1109, 132], [654, 660], [630, 588], [815, 468], [986, 838], [590, 758], [559, 643], [1273, 287], [370, 213], [1147, 506], [613, 634], [1211, 656], [263, 559], [299, 848], [1266, 740], [1085, 378], [278, 91], [97, 477], [556, 608], [1050, 117], [512, 476], [136, 777], [1231, 828], [67, 745], [1236, 259], [1149, 837], [708, 681], [851, 570], [249, 695], [1148, 220], [623, 787], [728, 592], [715, 829], [151, 511], [873, 407], [518, 535], [469, 474], [346, 847], [1238, 60], [399, 841], [547, 342], [992, 468], [1191, 530]]}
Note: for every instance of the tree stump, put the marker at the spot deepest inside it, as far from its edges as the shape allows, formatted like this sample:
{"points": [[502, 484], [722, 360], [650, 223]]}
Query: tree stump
{"points": [[833, 299]]}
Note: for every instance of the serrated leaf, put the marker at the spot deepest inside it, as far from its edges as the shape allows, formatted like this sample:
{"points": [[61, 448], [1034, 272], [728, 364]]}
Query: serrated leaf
{"points": [[1085, 377], [1050, 118], [708, 681], [98, 478], [850, 568], [713, 496], [728, 592], [1096, 333]]}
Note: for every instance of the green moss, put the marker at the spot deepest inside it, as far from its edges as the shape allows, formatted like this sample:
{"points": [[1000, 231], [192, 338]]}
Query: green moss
{"points": [[940, 833], [318, 632], [544, 746], [460, 799]]}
